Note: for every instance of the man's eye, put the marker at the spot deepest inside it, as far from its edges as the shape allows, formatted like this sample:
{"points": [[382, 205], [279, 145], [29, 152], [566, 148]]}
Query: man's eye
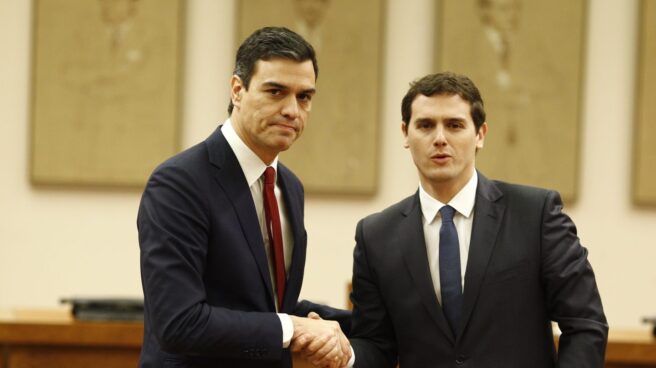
{"points": [[305, 97], [274, 92]]}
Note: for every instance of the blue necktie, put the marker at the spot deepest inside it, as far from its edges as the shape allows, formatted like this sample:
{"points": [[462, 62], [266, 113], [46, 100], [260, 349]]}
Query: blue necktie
{"points": [[450, 283]]}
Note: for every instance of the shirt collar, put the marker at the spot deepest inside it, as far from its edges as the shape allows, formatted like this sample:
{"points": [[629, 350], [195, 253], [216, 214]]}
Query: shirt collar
{"points": [[250, 163], [463, 201]]}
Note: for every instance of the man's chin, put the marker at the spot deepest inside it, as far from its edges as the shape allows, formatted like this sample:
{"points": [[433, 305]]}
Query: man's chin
{"points": [[441, 176], [285, 142], [282, 145]]}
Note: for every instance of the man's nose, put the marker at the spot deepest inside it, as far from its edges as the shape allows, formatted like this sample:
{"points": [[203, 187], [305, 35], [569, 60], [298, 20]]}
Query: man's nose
{"points": [[290, 107], [440, 137]]}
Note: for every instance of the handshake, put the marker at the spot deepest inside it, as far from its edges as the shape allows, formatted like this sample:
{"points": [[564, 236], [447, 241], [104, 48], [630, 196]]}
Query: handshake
{"points": [[321, 342]]}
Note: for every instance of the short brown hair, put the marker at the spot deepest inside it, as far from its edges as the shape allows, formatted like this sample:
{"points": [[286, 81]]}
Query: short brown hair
{"points": [[446, 83]]}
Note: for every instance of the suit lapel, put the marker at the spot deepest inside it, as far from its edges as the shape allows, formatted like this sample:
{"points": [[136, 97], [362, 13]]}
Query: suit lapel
{"points": [[294, 206], [230, 178], [416, 258], [488, 215]]}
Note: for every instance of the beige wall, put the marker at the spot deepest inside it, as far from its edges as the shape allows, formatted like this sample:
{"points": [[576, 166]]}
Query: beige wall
{"points": [[56, 243]]}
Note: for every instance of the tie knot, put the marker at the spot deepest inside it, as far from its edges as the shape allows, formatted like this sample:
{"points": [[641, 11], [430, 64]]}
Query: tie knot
{"points": [[447, 213], [269, 175]]}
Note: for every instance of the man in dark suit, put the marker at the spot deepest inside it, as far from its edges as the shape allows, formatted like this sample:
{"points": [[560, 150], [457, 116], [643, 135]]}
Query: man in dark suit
{"points": [[468, 271], [221, 230]]}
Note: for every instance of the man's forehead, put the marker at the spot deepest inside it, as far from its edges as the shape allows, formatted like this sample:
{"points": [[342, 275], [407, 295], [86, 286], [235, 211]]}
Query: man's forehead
{"points": [[279, 63], [452, 98], [285, 73], [428, 106]]}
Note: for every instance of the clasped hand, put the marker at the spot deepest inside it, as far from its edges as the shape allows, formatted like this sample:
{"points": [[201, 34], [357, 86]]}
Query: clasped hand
{"points": [[321, 342]]}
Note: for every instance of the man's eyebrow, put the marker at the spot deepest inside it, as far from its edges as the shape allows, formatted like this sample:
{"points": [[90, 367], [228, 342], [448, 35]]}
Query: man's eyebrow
{"points": [[424, 120], [455, 119], [272, 84]]}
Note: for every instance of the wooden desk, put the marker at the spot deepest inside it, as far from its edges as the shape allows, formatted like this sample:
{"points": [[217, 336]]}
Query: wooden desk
{"points": [[52, 339], [631, 349]]}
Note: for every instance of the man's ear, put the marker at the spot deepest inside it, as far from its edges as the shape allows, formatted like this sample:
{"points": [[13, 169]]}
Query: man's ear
{"points": [[236, 90], [480, 136], [404, 129]]}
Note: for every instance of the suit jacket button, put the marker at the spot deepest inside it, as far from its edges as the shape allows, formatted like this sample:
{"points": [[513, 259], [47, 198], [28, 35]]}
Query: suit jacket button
{"points": [[460, 360]]}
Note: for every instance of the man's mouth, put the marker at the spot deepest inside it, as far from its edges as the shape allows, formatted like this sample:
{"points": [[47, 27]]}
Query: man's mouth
{"points": [[288, 127], [441, 157]]}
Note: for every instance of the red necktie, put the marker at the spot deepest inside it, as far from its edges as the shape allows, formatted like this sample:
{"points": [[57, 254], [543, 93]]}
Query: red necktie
{"points": [[275, 231]]}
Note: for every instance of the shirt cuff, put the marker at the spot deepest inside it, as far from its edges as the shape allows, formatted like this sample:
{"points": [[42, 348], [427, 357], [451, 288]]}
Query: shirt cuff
{"points": [[351, 361], [287, 329]]}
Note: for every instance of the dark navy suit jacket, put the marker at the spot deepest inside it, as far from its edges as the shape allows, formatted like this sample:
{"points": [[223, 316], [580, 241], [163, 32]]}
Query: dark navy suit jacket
{"points": [[525, 269], [207, 290]]}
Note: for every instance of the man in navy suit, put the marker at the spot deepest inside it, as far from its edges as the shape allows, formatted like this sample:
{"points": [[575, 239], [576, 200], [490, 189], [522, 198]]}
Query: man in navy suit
{"points": [[468, 271], [213, 293]]}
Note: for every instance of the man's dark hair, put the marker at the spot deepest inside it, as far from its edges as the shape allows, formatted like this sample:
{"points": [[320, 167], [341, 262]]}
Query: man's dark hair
{"points": [[445, 84], [268, 43]]}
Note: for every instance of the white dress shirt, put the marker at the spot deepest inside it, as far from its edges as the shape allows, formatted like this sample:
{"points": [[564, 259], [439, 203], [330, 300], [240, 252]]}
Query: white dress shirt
{"points": [[463, 203], [253, 169]]}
